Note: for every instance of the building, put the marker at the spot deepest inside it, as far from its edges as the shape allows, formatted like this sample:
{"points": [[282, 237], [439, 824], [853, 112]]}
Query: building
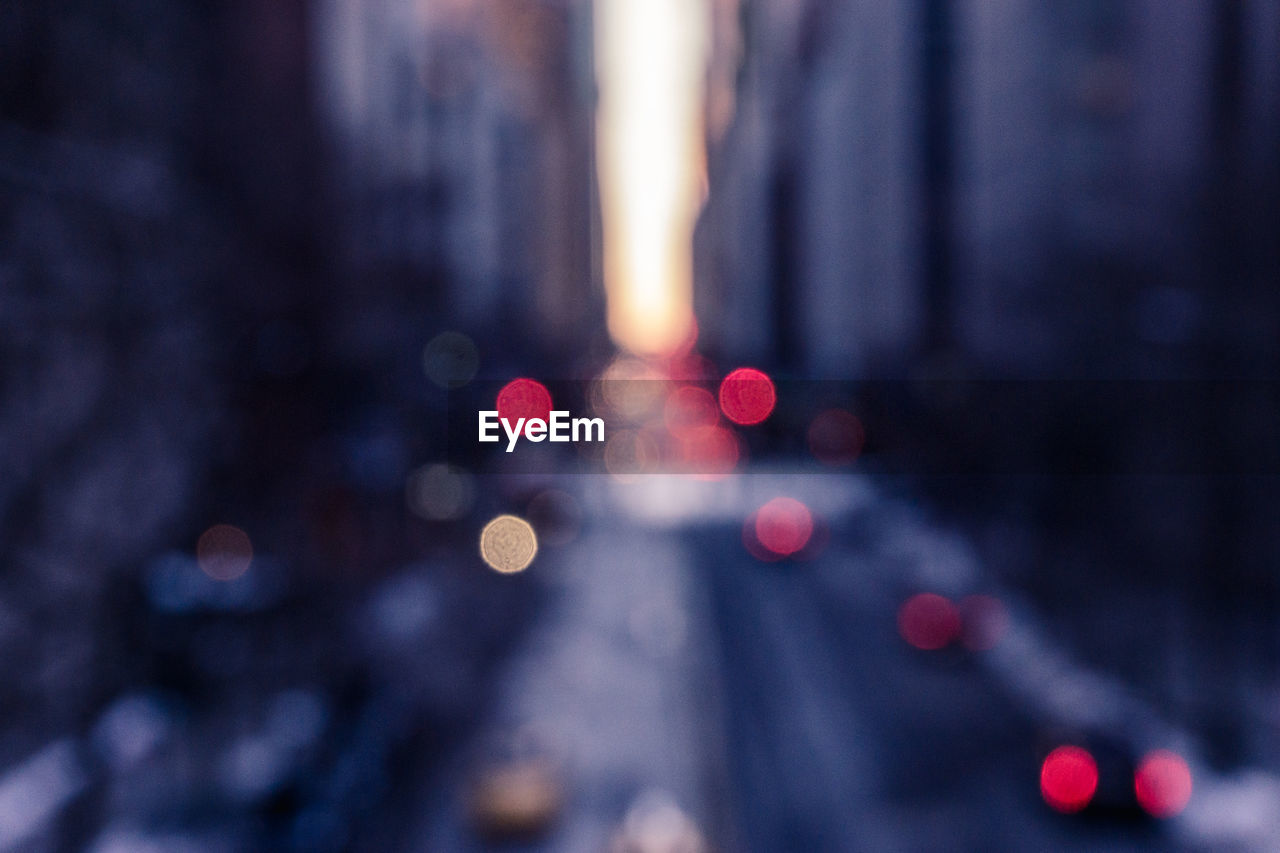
{"points": [[808, 255], [464, 140], [1007, 186]]}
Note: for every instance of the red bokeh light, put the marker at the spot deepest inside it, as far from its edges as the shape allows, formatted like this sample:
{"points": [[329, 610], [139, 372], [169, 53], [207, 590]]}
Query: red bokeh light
{"points": [[1068, 779], [523, 398], [783, 526], [709, 453], [747, 396], [984, 621], [1162, 783], [928, 621], [690, 410], [836, 437]]}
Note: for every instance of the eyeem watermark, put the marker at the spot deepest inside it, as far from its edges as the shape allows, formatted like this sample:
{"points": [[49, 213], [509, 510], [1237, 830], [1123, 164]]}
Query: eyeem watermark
{"points": [[559, 427]]}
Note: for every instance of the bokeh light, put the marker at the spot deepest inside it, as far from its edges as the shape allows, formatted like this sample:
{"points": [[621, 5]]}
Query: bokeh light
{"points": [[747, 396], [836, 438], [656, 824], [710, 453], [629, 452], [1068, 779], [631, 389], [523, 398], [224, 552], [690, 410], [928, 621], [1162, 783], [508, 544], [450, 359], [783, 526], [439, 492], [984, 621], [515, 801]]}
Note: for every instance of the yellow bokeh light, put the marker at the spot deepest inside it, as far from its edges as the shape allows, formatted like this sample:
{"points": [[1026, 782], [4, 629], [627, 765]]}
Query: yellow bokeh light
{"points": [[508, 544]]}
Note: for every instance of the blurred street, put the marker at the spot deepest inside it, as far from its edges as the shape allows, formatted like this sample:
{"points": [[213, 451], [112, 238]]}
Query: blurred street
{"points": [[720, 681], [932, 346]]}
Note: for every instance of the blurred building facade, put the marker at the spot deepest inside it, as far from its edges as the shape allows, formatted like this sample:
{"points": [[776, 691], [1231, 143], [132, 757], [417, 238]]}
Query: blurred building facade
{"points": [[1014, 188], [807, 250], [464, 149], [1098, 146]]}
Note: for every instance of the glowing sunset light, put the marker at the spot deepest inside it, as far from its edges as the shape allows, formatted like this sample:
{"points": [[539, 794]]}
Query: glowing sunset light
{"points": [[651, 68]]}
